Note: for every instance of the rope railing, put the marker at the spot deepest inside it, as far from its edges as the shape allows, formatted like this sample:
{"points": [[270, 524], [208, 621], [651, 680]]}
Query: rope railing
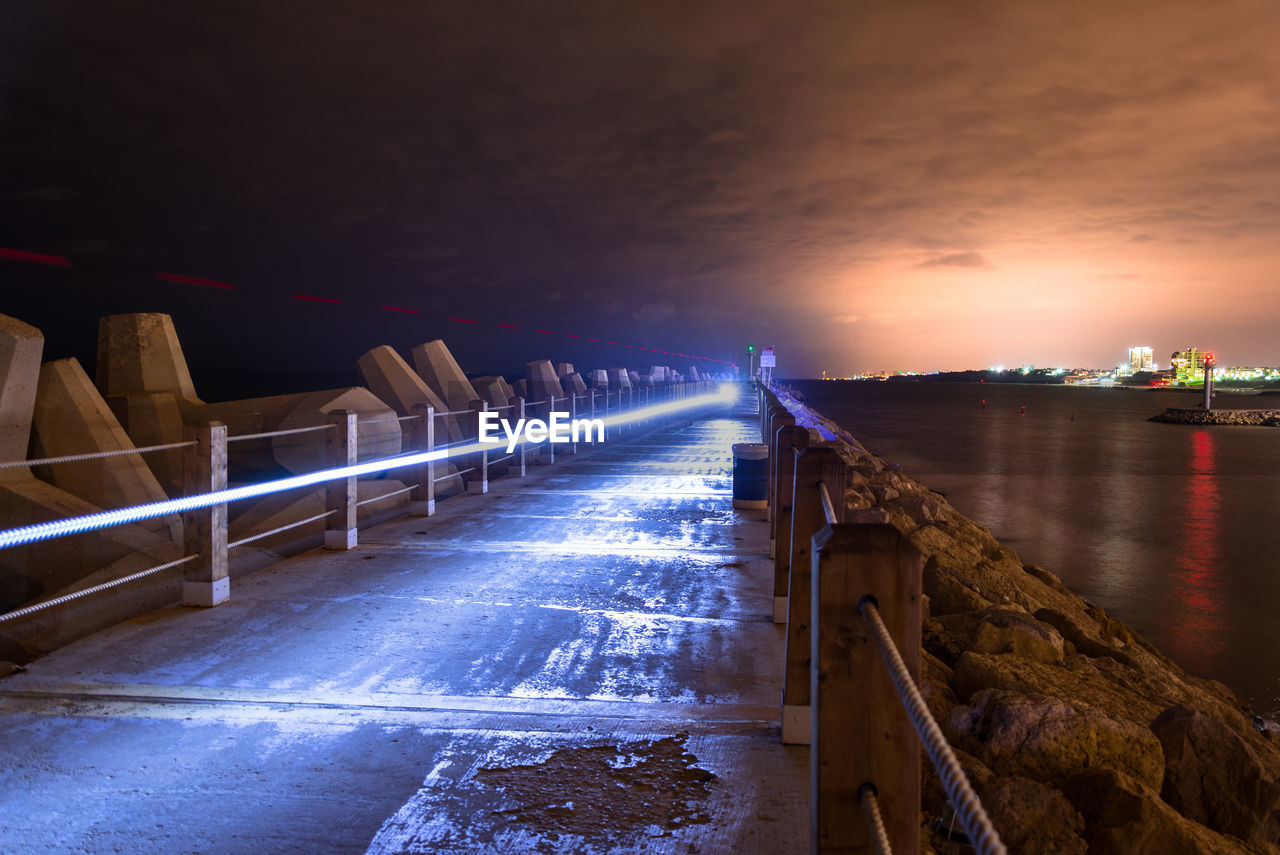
{"points": [[828, 507], [384, 420], [385, 496], [821, 568], [267, 434], [977, 825], [84, 592], [93, 455], [867, 795], [263, 535]]}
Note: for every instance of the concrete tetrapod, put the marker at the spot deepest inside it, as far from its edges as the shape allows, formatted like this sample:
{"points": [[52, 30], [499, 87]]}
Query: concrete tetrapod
{"points": [[436, 365], [143, 377], [53, 567], [391, 379], [493, 390], [72, 418]]}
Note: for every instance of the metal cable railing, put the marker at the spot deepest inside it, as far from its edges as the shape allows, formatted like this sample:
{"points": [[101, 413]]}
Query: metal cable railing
{"points": [[75, 595], [384, 420], [828, 508], [385, 496], [262, 535], [267, 434], [977, 825], [94, 455]]}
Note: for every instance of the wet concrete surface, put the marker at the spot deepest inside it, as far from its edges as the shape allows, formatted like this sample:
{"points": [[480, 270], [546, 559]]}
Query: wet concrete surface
{"points": [[581, 661]]}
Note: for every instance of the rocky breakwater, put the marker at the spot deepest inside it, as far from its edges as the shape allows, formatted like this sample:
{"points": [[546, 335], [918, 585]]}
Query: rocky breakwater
{"points": [[1078, 734], [1268, 418]]}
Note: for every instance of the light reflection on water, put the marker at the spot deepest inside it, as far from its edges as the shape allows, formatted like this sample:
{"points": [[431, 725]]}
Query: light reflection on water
{"points": [[1197, 640], [1173, 529]]}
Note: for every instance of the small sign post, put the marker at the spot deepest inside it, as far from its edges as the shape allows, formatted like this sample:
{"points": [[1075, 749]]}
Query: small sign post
{"points": [[767, 362]]}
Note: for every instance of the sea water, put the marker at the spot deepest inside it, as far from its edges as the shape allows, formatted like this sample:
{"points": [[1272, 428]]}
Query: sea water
{"points": [[1173, 529]]}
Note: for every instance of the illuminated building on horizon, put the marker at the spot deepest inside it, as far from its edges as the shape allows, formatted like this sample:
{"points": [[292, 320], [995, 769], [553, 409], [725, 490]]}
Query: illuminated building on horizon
{"points": [[1140, 359], [1188, 365]]}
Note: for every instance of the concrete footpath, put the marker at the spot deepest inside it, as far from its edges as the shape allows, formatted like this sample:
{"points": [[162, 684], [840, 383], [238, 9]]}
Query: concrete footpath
{"points": [[581, 661]]}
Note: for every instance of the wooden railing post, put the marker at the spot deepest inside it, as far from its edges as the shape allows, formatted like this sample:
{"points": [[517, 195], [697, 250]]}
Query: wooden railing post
{"points": [[479, 485], [340, 494], [861, 732], [789, 438], [204, 470], [573, 414], [776, 423], [424, 439], [517, 409], [548, 450], [807, 518]]}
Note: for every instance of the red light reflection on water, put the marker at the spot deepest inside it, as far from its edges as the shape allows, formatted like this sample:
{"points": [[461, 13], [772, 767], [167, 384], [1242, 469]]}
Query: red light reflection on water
{"points": [[1197, 632]]}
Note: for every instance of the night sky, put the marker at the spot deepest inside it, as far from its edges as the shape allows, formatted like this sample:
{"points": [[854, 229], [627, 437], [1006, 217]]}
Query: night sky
{"points": [[896, 185]]}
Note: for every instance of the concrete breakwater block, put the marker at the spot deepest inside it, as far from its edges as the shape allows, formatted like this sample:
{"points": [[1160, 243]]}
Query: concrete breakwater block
{"points": [[598, 379], [619, 378], [154, 418], [391, 379], [564, 368], [140, 352], [436, 365], [573, 385], [494, 391], [246, 416], [72, 418], [377, 435], [43, 569], [143, 376], [21, 346], [301, 452], [543, 384]]}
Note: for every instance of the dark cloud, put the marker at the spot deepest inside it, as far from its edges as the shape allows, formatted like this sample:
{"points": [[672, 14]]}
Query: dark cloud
{"points": [[717, 157]]}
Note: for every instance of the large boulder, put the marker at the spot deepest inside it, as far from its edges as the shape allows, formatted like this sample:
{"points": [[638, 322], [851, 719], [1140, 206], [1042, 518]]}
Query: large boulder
{"points": [[1123, 816], [1033, 817], [1006, 629], [1049, 740], [1211, 775]]}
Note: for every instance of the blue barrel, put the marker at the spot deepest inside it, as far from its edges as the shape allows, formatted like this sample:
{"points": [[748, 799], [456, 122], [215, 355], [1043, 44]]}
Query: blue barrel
{"points": [[750, 475]]}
